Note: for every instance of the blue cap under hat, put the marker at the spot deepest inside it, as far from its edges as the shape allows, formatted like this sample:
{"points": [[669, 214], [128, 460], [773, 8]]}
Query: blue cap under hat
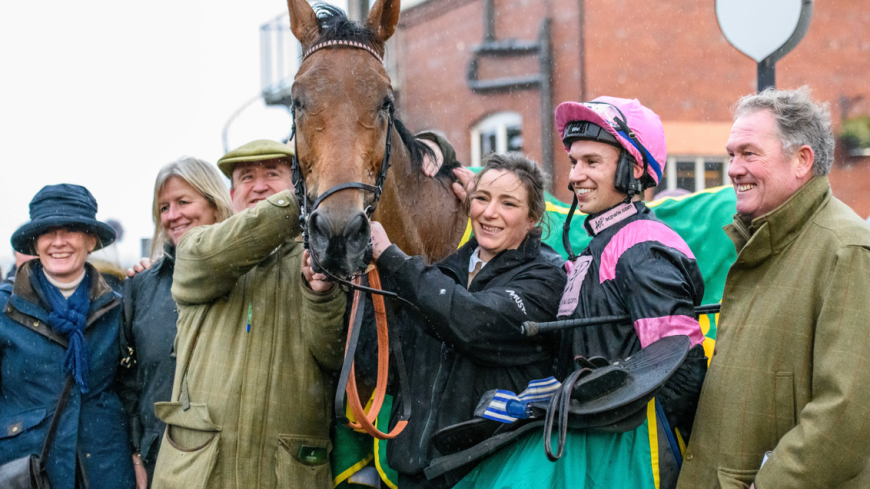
{"points": [[61, 206]]}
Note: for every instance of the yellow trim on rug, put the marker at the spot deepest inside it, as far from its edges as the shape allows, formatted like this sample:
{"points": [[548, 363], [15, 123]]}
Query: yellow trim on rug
{"points": [[653, 427], [711, 190], [465, 236], [353, 469], [378, 464], [350, 416], [551, 207], [680, 442], [655, 203]]}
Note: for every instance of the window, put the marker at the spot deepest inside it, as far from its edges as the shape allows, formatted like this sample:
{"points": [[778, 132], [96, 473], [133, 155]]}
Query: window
{"points": [[686, 175], [694, 173], [498, 133]]}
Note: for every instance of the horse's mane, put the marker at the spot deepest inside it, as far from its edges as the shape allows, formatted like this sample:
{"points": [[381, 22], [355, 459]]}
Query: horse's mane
{"points": [[335, 26]]}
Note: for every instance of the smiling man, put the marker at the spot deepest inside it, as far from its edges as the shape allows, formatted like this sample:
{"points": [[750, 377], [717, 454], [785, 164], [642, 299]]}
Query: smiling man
{"points": [[787, 387], [635, 266], [259, 336]]}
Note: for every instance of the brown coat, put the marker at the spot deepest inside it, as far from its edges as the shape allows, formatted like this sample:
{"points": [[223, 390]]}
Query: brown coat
{"points": [[257, 406], [791, 370]]}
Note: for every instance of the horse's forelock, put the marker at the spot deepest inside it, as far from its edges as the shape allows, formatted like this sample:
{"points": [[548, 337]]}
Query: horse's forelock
{"points": [[335, 26]]}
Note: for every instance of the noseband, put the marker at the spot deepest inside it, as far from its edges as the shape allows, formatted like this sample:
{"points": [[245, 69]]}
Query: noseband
{"points": [[299, 182]]}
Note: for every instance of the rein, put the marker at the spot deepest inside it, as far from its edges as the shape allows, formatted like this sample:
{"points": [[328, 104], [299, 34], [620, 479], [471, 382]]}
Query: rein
{"points": [[347, 379], [347, 388]]}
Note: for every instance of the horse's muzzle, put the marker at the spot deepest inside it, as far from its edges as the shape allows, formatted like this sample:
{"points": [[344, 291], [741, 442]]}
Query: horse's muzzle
{"points": [[340, 243]]}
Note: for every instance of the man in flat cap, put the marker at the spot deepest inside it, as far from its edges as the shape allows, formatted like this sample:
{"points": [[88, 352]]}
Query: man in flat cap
{"points": [[252, 394]]}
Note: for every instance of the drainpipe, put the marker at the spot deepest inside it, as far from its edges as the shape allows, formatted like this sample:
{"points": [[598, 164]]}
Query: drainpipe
{"points": [[581, 49], [545, 56], [488, 21]]}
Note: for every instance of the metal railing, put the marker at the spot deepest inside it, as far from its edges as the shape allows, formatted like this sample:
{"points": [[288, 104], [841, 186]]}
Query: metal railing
{"points": [[280, 55]]}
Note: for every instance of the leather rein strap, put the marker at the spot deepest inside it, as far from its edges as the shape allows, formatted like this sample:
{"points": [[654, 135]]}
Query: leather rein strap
{"points": [[347, 379]]}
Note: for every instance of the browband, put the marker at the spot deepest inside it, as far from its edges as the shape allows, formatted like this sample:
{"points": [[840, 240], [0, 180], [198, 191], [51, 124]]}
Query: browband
{"points": [[350, 44]]}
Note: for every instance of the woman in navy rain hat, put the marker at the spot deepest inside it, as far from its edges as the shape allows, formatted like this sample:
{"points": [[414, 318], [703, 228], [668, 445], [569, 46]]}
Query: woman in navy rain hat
{"points": [[60, 320]]}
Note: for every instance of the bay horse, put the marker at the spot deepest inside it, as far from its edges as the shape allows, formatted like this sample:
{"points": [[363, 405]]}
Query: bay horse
{"points": [[342, 103]]}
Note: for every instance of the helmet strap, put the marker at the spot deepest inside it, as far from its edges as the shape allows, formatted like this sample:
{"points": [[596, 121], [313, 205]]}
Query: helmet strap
{"points": [[624, 180], [566, 228]]}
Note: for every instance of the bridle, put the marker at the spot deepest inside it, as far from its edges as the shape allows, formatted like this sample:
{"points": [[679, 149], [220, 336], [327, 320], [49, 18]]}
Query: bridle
{"points": [[359, 284], [377, 189]]}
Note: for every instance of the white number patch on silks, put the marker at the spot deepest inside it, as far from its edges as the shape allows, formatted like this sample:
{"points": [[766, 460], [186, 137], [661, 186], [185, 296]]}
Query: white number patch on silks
{"points": [[571, 295]]}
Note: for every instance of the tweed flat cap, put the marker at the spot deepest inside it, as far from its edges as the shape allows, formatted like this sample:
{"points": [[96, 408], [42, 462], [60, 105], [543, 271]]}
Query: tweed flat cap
{"points": [[259, 150]]}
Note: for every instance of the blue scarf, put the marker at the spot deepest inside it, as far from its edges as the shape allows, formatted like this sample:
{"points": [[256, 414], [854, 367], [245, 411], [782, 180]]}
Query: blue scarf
{"points": [[69, 317]]}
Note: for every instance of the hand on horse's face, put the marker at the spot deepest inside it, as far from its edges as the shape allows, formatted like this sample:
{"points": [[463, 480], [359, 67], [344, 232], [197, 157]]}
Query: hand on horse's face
{"points": [[463, 187], [430, 167], [380, 240], [318, 282]]}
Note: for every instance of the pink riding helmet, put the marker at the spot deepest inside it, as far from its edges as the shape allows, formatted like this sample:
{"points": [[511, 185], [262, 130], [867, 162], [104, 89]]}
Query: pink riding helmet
{"points": [[643, 122]]}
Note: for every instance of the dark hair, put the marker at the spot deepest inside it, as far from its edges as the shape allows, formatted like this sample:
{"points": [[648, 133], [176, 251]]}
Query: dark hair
{"points": [[335, 26], [530, 175]]}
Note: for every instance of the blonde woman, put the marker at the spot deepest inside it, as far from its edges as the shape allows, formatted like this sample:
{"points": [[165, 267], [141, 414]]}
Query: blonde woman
{"points": [[188, 193]]}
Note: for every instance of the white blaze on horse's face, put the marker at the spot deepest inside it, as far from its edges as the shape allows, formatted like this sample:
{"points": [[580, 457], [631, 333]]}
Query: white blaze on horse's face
{"points": [[341, 103]]}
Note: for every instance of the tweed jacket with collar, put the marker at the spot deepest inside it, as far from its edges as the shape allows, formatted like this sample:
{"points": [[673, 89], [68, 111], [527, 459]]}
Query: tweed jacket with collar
{"points": [[789, 374]]}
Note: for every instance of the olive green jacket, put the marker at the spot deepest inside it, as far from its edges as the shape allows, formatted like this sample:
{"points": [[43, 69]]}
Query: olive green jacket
{"points": [[791, 369], [252, 396]]}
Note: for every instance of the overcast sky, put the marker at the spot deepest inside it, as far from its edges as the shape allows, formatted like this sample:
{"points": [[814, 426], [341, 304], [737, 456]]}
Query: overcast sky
{"points": [[103, 93]]}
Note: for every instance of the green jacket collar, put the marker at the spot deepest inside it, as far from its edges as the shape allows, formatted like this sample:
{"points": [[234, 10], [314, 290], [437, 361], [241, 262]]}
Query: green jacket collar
{"points": [[775, 230]]}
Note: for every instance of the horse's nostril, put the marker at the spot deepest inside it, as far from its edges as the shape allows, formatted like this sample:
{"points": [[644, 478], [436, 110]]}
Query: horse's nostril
{"points": [[358, 226], [319, 231], [357, 234]]}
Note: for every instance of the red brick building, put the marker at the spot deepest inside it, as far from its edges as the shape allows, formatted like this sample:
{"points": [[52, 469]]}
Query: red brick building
{"points": [[670, 54]]}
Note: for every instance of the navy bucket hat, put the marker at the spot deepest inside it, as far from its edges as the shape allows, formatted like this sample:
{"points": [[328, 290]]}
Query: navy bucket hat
{"points": [[61, 206]]}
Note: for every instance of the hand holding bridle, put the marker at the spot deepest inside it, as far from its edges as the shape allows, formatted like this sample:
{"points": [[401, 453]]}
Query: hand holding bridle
{"points": [[380, 240], [317, 281]]}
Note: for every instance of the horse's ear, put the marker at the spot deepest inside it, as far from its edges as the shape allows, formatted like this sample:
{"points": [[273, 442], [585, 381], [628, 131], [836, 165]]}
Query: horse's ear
{"points": [[303, 22], [383, 18]]}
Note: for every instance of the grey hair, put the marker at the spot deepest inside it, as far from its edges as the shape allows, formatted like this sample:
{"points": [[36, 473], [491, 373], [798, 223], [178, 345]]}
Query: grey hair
{"points": [[799, 121]]}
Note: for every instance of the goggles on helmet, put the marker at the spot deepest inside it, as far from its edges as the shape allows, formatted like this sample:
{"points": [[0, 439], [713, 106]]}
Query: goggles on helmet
{"points": [[577, 130]]}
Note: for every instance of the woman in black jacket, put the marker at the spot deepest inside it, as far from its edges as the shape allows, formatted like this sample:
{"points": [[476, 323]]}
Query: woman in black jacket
{"points": [[464, 338], [188, 193]]}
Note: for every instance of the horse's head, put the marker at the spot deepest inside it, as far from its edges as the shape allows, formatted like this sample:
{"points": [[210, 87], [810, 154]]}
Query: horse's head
{"points": [[342, 102]]}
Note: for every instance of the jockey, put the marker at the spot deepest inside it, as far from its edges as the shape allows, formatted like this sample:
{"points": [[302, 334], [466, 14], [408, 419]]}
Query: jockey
{"points": [[635, 265]]}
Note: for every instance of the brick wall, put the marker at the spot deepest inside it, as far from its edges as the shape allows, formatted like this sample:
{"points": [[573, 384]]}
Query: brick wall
{"points": [[669, 54]]}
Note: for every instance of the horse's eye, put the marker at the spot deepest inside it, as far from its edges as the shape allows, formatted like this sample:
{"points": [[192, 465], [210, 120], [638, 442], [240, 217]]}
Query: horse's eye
{"points": [[297, 104]]}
